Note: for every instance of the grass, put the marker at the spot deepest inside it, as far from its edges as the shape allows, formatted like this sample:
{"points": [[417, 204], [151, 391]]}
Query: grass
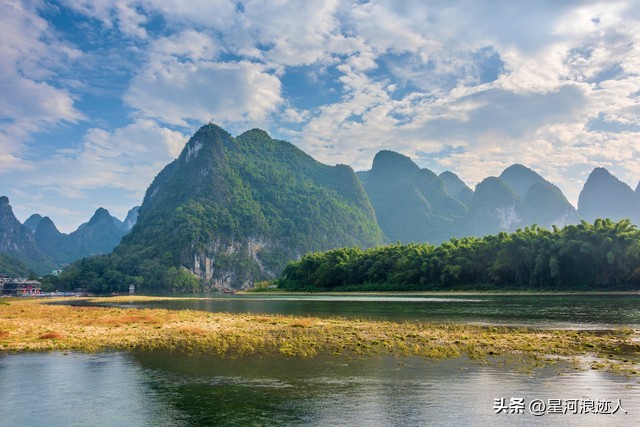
{"points": [[34, 325]]}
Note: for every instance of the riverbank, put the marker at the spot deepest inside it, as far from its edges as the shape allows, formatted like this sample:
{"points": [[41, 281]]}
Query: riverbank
{"points": [[277, 291], [35, 325]]}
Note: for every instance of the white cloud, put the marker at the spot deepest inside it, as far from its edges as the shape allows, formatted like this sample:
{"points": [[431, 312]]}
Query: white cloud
{"points": [[30, 57], [123, 161], [289, 32], [187, 45], [124, 14], [465, 85], [125, 158], [176, 92]]}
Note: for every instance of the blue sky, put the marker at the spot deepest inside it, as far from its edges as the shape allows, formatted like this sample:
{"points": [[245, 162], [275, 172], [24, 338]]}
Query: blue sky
{"points": [[98, 95]]}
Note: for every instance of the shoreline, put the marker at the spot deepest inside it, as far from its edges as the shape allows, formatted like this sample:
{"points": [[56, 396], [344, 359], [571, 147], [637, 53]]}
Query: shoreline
{"points": [[218, 295], [28, 325], [444, 293]]}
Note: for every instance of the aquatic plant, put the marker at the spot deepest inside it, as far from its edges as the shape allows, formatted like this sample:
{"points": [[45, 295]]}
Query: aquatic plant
{"points": [[34, 325]]}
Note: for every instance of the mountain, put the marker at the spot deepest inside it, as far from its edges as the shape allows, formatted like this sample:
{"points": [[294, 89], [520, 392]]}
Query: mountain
{"points": [[99, 236], [456, 187], [495, 207], [520, 178], [51, 241], [547, 205], [131, 218], [17, 240], [32, 222], [411, 204], [605, 196], [13, 267], [229, 211]]}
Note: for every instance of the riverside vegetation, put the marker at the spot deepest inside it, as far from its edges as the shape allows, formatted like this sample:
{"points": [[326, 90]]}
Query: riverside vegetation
{"points": [[34, 325], [601, 256]]}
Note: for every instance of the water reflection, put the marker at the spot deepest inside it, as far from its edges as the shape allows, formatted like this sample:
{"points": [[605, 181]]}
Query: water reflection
{"points": [[78, 390], [159, 388], [169, 389]]}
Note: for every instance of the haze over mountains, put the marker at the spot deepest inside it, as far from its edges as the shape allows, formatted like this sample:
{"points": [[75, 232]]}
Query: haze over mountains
{"points": [[414, 204], [606, 196], [40, 246], [229, 211]]}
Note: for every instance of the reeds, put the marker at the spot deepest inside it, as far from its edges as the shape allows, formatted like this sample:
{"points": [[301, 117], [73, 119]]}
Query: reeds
{"points": [[33, 325]]}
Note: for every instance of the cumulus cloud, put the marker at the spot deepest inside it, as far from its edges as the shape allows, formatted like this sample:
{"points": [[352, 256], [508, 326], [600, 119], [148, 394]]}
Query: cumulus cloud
{"points": [[30, 57], [463, 85], [124, 15], [121, 162], [125, 158], [176, 92]]}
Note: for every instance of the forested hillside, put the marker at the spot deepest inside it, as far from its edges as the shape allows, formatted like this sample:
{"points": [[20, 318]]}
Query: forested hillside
{"points": [[229, 211]]}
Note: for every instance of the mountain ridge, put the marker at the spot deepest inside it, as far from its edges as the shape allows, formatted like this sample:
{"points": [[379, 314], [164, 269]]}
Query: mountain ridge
{"points": [[604, 195], [229, 211], [41, 246]]}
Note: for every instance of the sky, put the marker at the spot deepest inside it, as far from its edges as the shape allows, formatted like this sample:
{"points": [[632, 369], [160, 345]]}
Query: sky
{"points": [[96, 96]]}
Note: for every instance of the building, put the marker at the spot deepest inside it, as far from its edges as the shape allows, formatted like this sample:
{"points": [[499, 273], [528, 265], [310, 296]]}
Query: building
{"points": [[21, 287]]}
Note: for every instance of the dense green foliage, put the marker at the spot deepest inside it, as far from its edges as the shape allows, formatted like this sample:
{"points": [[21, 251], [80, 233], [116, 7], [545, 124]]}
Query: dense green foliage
{"points": [[13, 267], [230, 211], [602, 256]]}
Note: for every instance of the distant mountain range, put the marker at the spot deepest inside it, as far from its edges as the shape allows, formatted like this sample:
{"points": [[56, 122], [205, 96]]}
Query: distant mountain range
{"points": [[233, 210], [40, 246], [414, 204], [605, 196]]}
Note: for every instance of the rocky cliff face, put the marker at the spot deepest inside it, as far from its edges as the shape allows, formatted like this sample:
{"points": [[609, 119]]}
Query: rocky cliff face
{"points": [[131, 218], [495, 207]]}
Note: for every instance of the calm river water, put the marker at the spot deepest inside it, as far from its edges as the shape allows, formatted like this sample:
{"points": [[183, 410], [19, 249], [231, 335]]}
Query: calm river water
{"points": [[540, 311], [162, 389], [173, 389]]}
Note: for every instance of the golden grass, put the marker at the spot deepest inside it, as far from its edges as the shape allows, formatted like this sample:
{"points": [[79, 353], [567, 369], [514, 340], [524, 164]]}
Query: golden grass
{"points": [[33, 325], [51, 336]]}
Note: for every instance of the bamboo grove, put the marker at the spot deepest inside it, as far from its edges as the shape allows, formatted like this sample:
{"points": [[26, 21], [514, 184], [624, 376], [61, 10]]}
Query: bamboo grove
{"points": [[604, 256]]}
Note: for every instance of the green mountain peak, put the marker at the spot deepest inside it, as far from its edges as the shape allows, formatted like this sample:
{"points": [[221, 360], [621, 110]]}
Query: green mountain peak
{"points": [[233, 210]]}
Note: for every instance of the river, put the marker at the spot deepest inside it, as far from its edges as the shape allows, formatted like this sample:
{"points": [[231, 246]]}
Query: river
{"points": [[572, 311], [173, 389], [164, 389]]}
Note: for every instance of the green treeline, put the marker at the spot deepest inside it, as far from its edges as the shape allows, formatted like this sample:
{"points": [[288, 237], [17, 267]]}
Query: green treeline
{"points": [[602, 256]]}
